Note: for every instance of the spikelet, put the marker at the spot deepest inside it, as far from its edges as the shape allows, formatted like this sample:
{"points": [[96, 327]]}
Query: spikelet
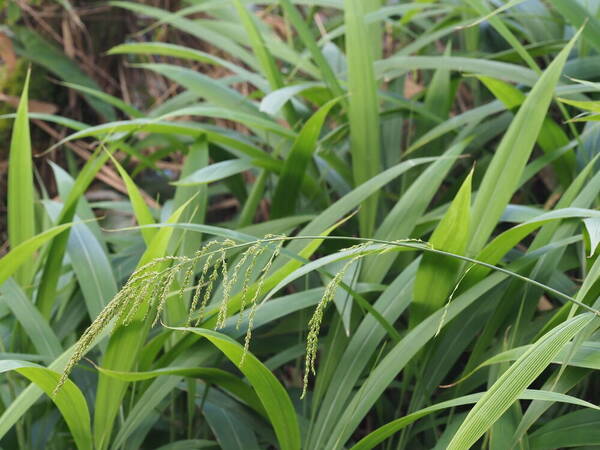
{"points": [[222, 316], [164, 294], [203, 252], [314, 324], [254, 253], [209, 286], [254, 301]]}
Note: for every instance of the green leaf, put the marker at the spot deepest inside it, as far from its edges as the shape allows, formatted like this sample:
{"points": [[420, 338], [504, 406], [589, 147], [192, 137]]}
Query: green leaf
{"points": [[592, 106], [396, 66], [39, 331], [401, 220], [106, 98], [504, 31], [140, 208], [576, 429], [20, 201], [19, 255], [387, 430], [311, 45], [503, 174], [585, 355], [90, 263], [205, 87], [189, 444], [218, 377], [110, 391], [515, 380], [46, 294], [592, 227], [217, 39], [363, 108], [551, 136], [579, 17], [35, 48], [230, 428], [296, 164], [179, 51], [215, 172], [506, 93], [69, 401], [265, 58], [272, 394], [437, 274]]}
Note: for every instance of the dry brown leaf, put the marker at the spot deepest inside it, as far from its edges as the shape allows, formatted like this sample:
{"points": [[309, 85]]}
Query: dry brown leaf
{"points": [[7, 53], [34, 106], [411, 87], [544, 304]]}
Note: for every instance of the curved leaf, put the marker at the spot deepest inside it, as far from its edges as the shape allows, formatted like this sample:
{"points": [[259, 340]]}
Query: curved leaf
{"points": [[272, 394], [70, 401]]}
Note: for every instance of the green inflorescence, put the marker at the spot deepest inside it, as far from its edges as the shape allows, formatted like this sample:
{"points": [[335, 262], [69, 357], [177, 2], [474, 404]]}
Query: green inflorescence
{"points": [[147, 291]]}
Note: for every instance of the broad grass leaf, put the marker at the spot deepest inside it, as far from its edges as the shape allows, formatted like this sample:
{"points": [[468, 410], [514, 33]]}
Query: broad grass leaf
{"points": [[46, 294], [296, 163], [310, 43], [70, 401], [20, 254], [576, 13], [272, 394], [40, 51], [187, 444], [504, 31], [114, 130], [354, 198], [363, 107], [551, 136], [106, 98], [140, 208], [220, 40], [254, 119], [262, 52], [215, 172], [111, 391], [205, 87], [230, 428], [592, 106], [180, 51], [579, 428], [437, 274], [39, 331], [20, 196], [396, 66], [502, 175], [400, 221], [592, 228], [221, 378], [387, 430], [585, 355], [515, 380], [90, 262]]}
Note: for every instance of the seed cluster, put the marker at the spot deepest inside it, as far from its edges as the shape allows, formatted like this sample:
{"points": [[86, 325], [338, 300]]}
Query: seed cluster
{"points": [[149, 287]]}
